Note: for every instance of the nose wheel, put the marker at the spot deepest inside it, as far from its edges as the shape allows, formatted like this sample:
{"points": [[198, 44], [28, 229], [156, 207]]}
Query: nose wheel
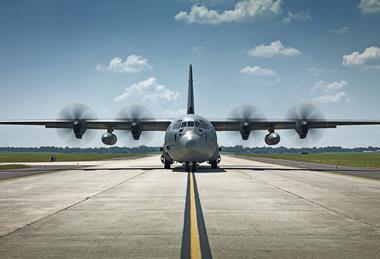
{"points": [[192, 166]]}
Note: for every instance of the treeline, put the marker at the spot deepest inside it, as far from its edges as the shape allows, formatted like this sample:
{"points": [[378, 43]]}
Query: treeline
{"points": [[100, 150], [283, 150], [145, 149]]}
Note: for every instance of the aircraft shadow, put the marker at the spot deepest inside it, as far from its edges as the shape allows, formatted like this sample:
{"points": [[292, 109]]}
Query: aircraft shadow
{"points": [[200, 169], [207, 169], [179, 169]]}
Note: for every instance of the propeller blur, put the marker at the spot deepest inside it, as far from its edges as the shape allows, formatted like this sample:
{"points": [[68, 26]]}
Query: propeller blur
{"points": [[191, 138]]}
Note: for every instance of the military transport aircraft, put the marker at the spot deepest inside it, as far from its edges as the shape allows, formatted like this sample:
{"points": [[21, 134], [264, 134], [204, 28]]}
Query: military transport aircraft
{"points": [[192, 139]]}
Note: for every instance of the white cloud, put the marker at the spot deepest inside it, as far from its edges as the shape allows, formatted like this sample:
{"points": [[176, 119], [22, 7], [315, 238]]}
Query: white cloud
{"points": [[274, 49], [324, 87], [369, 6], [133, 64], [316, 70], [258, 71], [333, 98], [147, 91], [331, 92], [243, 10], [174, 114], [296, 17], [320, 70], [342, 30], [99, 67], [198, 49], [369, 58], [205, 2]]}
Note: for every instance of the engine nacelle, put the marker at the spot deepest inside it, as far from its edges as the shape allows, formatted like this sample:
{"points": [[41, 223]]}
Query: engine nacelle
{"points": [[79, 128], [245, 130], [302, 128], [109, 139], [136, 130], [272, 139]]}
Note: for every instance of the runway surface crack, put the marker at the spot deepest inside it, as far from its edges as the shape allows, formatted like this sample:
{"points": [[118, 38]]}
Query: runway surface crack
{"points": [[311, 201], [74, 204]]}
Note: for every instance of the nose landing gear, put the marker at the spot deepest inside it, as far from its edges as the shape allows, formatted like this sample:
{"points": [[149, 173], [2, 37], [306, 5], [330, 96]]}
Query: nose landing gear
{"points": [[192, 166], [167, 162]]}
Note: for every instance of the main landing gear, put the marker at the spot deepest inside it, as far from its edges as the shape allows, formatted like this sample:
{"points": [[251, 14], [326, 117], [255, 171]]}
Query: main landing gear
{"points": [[167, 164], [214, 164]]}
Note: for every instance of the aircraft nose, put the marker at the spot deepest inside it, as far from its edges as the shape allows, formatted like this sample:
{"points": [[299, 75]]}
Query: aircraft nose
{"points": [[191, 147], [190, 141]]}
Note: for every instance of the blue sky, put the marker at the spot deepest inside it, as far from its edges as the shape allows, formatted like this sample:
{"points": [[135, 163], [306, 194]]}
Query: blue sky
{"points": [[270, 53]]}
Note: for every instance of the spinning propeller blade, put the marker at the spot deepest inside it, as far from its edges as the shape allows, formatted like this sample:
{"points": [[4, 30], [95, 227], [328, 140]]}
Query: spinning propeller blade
{"points": [[136, 114], [304, 114], [244, 114], [77, 114]]}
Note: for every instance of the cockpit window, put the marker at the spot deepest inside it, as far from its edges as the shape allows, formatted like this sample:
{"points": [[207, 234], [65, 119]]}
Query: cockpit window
{"points": [[177, 124], [204, 125], [183, 124], [197, 124], [190, 124]]}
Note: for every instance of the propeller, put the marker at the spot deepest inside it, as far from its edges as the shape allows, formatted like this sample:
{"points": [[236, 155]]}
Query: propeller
{"points": [[303, 114], [136, 114], [244, 114], [77, 115]]}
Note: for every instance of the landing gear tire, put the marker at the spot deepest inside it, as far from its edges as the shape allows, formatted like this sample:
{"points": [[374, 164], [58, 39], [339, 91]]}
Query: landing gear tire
{"points": [[214, 164], [167, 164]]}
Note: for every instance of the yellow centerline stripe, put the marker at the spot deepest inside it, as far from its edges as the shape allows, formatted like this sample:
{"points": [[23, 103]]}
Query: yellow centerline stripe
{"points": [[195, 246]]}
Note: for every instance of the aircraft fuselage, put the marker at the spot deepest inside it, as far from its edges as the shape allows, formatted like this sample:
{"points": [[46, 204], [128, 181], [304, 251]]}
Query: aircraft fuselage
{"points": [[192, 139]]}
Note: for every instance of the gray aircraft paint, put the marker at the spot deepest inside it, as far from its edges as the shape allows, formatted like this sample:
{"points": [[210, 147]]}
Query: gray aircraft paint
{"points": [[197, 143], [190, 93], [191, 144]]}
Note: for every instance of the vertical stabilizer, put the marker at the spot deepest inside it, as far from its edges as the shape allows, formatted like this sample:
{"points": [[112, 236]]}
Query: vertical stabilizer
{"points": [[190, 93]]}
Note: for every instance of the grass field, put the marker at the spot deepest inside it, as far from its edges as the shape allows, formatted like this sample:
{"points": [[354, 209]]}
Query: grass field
{"points": [[369, 160], [12, 166], [12, 157]]}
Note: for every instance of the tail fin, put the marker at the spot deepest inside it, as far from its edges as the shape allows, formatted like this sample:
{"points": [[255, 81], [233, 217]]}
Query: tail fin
{"points": [[190, 93]]}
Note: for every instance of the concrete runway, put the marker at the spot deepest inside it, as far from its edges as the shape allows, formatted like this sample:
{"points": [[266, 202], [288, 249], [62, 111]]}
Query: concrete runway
{"points": [[373, 173], [135, 209]]}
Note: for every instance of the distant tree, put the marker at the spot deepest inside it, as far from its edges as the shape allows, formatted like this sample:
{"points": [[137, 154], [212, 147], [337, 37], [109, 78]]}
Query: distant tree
{"points": [[238, 149]]}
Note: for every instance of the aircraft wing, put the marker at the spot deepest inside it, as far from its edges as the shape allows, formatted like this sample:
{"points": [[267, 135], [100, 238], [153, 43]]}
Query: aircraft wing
{"points": [[219, 125], [235, 125], [147, 124]]}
